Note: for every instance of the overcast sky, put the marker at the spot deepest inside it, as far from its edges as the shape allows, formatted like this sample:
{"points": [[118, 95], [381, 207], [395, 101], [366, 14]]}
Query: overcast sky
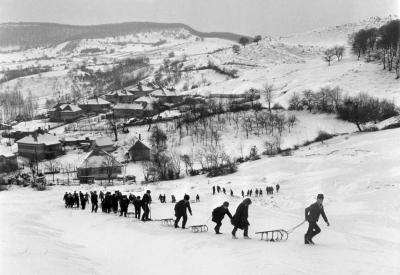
{"points": [[267, 17]]}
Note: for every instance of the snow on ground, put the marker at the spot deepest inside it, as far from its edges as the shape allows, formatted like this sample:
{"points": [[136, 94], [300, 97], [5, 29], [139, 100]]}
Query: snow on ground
{"points": [[358, 174]]}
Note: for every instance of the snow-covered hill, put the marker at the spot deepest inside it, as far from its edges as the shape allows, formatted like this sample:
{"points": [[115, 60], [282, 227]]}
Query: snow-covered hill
{"points": [[358, 174]]}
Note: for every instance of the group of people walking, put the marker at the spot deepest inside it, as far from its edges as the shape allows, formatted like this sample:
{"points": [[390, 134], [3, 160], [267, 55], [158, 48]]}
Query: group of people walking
{"points": [[110, 202], [258, 192]]}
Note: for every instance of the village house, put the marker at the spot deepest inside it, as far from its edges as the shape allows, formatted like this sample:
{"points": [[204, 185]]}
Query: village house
{"points": [[64, 112], [8, 160], [100, 165], [167, 96], [95, 105], [139, 152], [104, 143], [139, 90], [120, 96], [39, 146], [129, 110]]}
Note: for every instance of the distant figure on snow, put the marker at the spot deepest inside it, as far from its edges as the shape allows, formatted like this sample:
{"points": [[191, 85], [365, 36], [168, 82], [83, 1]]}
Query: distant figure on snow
{"points": [[312, 214], [197, 198], [277, 188], [213, 189]]}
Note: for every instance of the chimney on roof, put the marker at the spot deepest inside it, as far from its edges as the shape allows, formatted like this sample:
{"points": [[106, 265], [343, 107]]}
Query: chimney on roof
{"points": [[35, 136]]}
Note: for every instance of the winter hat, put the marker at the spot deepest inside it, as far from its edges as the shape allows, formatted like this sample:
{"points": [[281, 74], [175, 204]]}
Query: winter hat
{"points": [[320, 196], [186, 197], [226, 204], [247, 201], [148, 192]]}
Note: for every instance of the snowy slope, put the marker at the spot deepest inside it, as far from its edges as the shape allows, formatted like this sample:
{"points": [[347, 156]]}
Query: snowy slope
{"points": [[357, 173]]}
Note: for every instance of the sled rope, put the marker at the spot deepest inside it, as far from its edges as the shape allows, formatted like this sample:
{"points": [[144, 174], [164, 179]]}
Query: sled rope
{"points": [[295, 227]]}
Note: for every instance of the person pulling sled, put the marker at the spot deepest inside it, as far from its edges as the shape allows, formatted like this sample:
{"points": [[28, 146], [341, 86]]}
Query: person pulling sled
{"points": [[312, 214], [180, 211]]}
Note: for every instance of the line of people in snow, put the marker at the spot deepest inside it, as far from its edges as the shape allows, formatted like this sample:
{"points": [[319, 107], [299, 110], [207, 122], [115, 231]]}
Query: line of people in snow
{"points": [[258, 191], [109, 202]]}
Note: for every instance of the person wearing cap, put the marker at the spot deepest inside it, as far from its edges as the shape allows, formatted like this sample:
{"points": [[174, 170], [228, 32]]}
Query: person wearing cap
{"points": [[146, 200], [239, 220], [218, 215], [180, 211], [312, 214]]}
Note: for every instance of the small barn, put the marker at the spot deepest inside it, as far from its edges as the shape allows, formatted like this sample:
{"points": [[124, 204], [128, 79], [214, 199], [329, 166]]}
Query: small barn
{"points": [[64, 112], [39, 146], [129, 110], [98, 164], [139, 152], [104, 143], [96, 105], [8, 160]]}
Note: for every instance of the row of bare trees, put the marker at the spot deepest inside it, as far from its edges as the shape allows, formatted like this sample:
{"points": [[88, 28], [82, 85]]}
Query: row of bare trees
{"points": [[379, 44]]}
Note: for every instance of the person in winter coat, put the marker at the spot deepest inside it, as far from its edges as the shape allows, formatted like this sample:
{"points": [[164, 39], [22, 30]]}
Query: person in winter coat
{"points": [[138, 206], [94, 200], [239, 220], [123, 204], [180, 211], [218, 215], [146, 200], [312, 214], [101, 196], [66, 199], [213, 189], [197, 198]]}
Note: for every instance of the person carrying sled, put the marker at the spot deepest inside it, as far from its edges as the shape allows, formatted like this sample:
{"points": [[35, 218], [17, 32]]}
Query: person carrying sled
{"points": [[218, 215], [239, 220], [180, 211], [312, 214]]}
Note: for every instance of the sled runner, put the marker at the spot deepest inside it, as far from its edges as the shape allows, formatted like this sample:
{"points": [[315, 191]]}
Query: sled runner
{"points": [[274, 235], [167, 222], [199, 228]]}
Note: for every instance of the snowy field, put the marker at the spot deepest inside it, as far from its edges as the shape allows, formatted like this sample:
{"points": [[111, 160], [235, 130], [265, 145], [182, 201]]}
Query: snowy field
{"points": [[358, 174]]}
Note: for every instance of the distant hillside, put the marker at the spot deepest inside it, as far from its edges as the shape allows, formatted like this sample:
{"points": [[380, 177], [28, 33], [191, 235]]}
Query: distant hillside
{"points": [[30, 35]]}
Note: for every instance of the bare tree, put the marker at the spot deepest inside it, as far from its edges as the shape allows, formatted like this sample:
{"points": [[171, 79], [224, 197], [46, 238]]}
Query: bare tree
{"points": [[328, 55], [268, 94]]}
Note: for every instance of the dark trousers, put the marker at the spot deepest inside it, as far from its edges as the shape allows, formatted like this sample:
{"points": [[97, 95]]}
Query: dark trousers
{"points": [[83, 203], [137, 212], [178, 218], [313, 229], [218, 226], [94, 207], [146, 211], [245, 232], [124, 211]]}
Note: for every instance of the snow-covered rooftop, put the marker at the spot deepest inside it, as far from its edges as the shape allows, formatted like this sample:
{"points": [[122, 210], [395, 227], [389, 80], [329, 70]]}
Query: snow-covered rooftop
{"points": [[129, 106], [5, 152], [99, 158], [45, 138]]}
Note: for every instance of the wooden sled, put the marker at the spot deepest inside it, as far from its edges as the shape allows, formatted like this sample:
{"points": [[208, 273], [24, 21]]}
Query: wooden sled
{"points": [[199, 228], [274, 235], [167, 222]]}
